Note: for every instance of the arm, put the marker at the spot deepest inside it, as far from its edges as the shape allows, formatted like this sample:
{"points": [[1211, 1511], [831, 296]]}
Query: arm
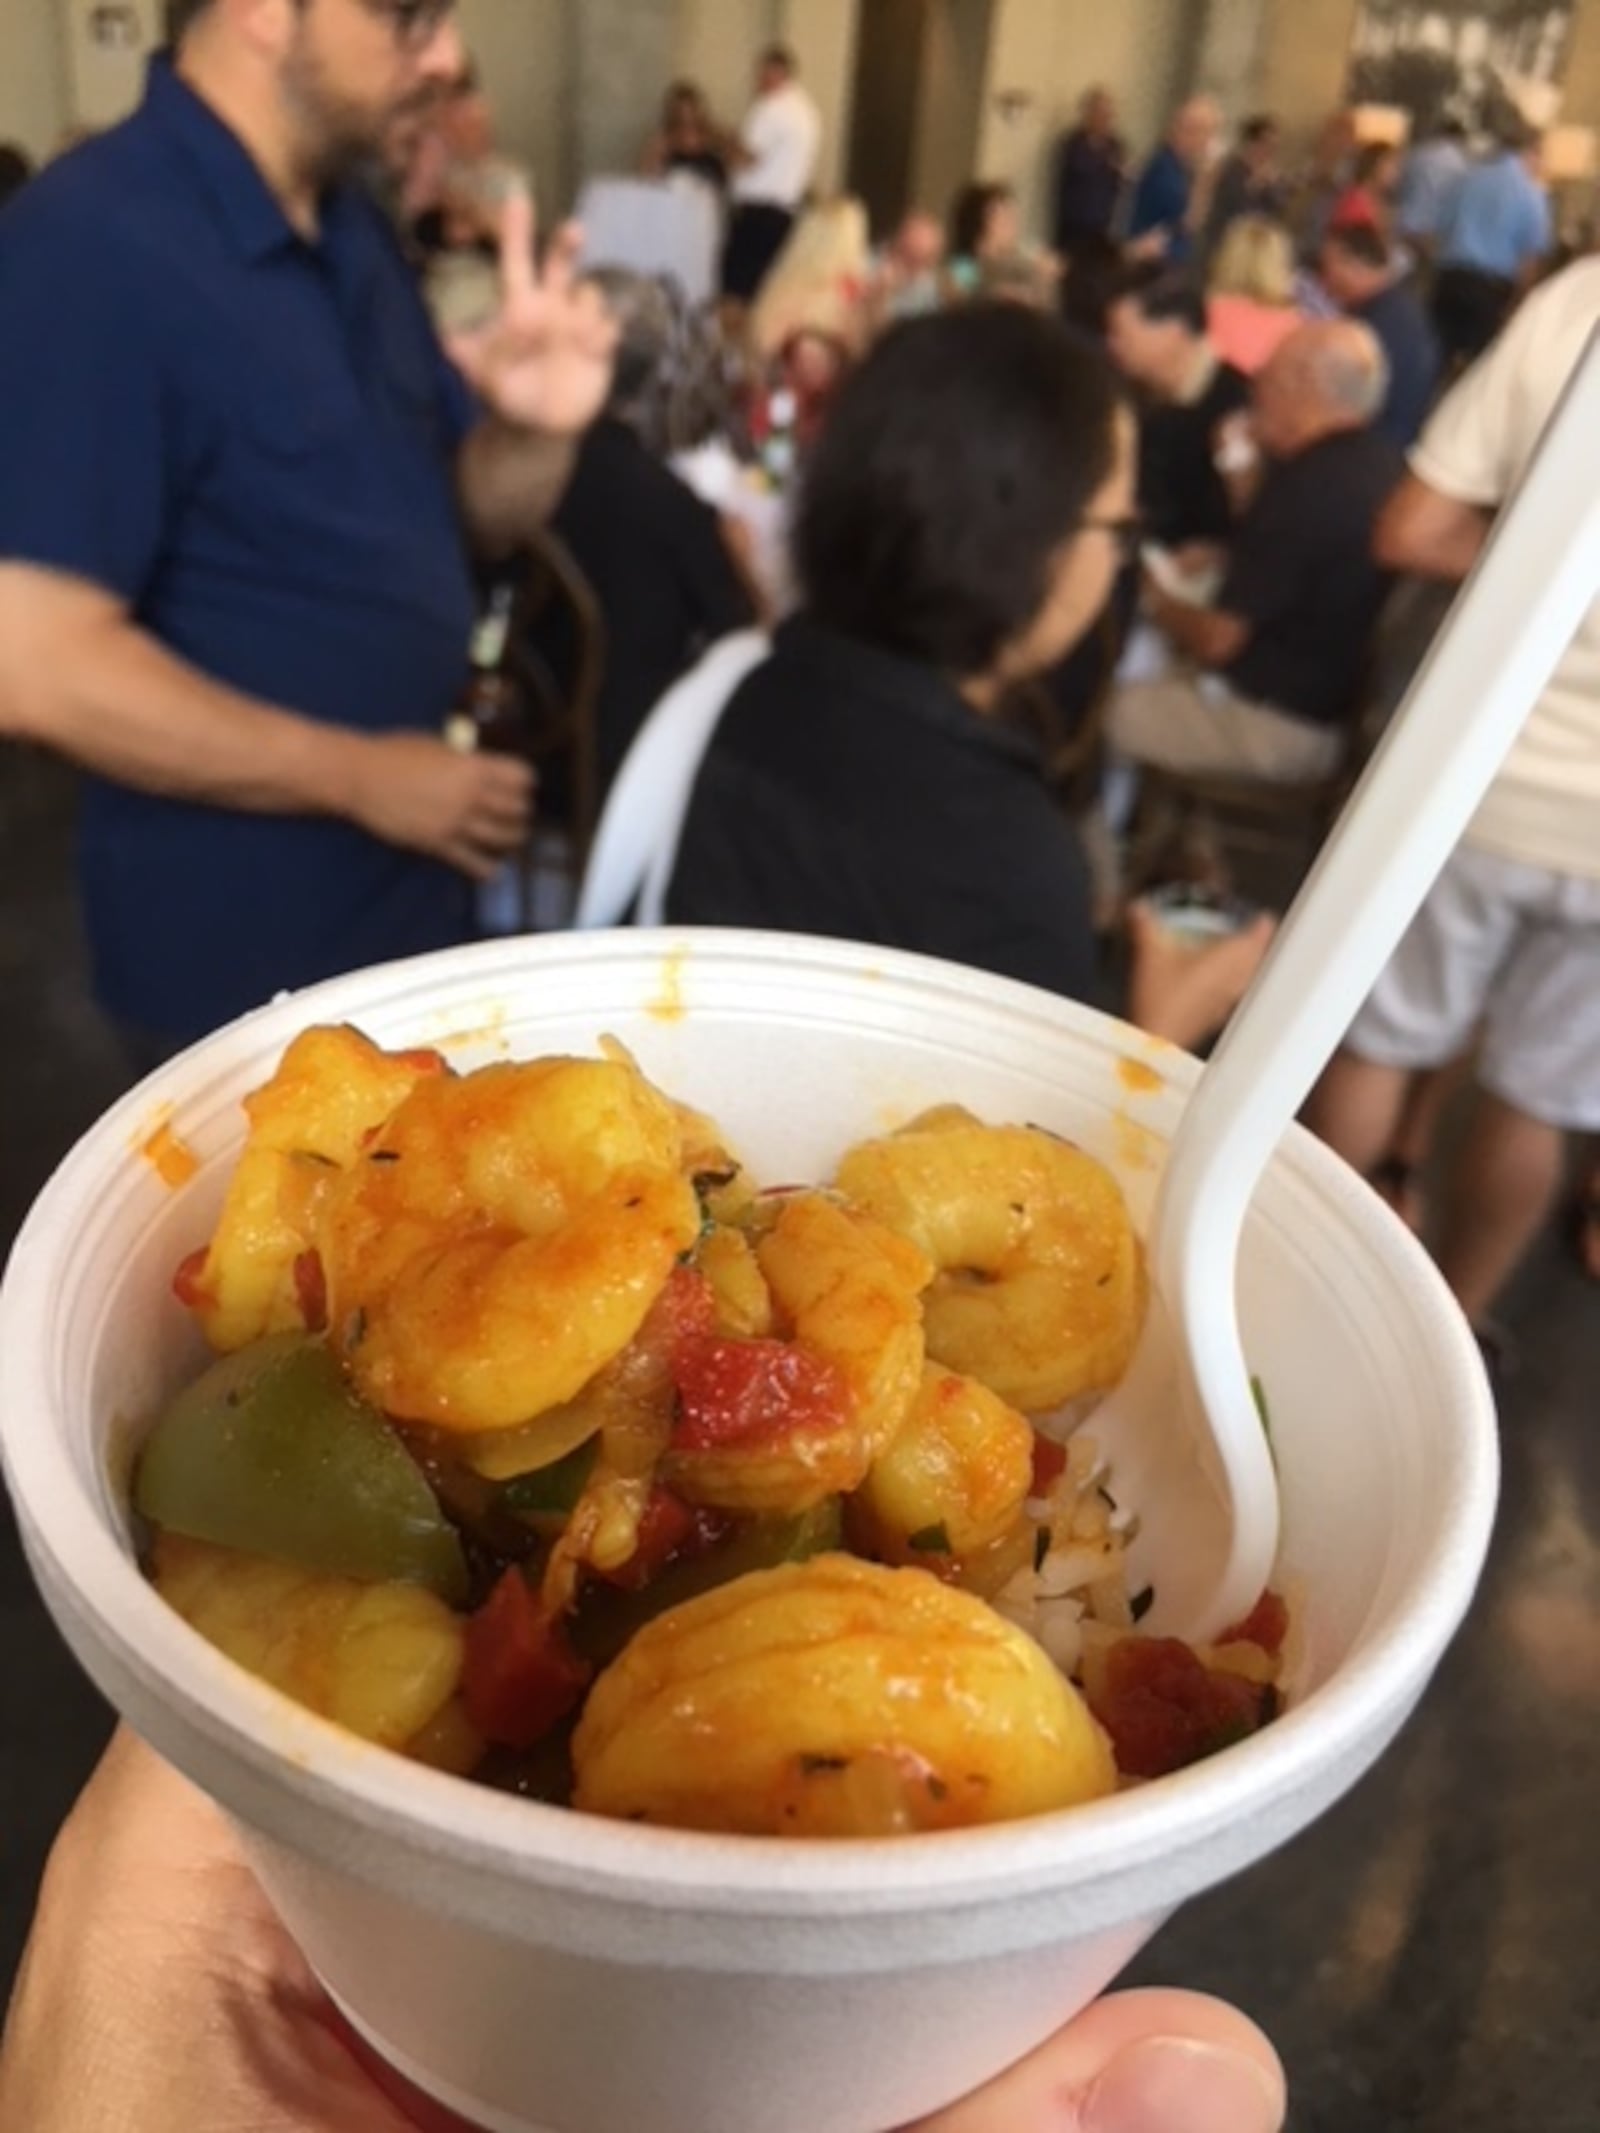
{"points": [[1210, 636], [1433, 535], [77, 674], [510, 481]]}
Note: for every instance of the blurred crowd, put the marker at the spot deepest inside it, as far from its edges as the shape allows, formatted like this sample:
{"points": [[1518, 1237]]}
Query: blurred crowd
{"points": [[1056, 537]]}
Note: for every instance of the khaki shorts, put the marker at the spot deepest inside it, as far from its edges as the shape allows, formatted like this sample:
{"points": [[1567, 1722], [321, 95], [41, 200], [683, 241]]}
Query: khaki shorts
{"points": [[1513, 950], [1193, 726]]}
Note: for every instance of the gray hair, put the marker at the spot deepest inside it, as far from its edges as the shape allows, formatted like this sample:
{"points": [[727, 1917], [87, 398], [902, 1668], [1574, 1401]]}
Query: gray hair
{"points": [[1343, 365], [643, 314]]}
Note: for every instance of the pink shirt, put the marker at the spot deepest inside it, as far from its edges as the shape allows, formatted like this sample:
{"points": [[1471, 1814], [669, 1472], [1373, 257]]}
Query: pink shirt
{"points": [[1245, 333]]}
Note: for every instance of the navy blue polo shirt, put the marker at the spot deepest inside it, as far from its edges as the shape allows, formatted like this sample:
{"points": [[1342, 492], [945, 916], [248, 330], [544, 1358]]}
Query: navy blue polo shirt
{"points": [[1411, 348], [250, 438]]}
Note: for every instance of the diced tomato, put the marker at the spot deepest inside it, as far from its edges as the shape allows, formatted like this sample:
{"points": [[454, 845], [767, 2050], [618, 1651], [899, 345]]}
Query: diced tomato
{"points": [[187, 1285], [1164, 1710], [311, 1291], [669, 1528], [752, 1392], [521, 1677], [1049, 1463], [1266, 1626]]}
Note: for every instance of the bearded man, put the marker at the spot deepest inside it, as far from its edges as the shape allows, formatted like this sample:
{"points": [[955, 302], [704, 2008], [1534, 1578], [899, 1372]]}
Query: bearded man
{"points": [[240, 481]]}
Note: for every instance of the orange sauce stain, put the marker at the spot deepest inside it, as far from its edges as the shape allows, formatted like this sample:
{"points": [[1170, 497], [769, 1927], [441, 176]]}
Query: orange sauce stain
{"points": [[1137, 1147], [1138, 1077], [173, 1160], [668, 1005], [488, 1035]]}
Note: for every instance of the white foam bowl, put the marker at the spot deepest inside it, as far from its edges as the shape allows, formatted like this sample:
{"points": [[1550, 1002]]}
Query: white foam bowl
{"points": [[544, 1972]]}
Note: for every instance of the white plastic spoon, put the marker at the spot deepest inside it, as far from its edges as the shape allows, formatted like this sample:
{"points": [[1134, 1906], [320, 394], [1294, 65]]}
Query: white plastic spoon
{"points": [[1182, 1430]]}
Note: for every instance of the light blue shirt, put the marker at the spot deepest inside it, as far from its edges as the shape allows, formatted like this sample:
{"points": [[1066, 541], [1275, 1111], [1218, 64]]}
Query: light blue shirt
{"points": [[1430, 188], [1501, 220]]}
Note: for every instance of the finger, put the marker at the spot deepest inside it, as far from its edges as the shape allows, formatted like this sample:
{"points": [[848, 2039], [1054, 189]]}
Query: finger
{"points": [[502, 839], [519, 231], [512, 809], [467, 859], [505, 775], [564, 259], [466, 351], [1140, 2059]]}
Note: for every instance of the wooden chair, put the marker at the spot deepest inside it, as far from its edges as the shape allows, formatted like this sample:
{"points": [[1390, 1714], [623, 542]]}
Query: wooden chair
{"points": [[557, 659]]}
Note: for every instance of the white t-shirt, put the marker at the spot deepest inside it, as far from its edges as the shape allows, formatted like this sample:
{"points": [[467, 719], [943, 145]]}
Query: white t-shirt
{"points": [[784, 135], [1544, 808]]}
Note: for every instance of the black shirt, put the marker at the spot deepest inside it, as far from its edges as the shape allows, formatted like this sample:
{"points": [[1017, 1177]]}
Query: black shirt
{"points": [[703, 163], [1181, 495], [1090, 172], [1409, 342], [1303, 576], [854, 793], [654, 554], [1237, 192]]}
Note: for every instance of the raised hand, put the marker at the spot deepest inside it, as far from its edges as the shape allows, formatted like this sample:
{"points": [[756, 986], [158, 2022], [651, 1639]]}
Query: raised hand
{"points": [[544, 361]]}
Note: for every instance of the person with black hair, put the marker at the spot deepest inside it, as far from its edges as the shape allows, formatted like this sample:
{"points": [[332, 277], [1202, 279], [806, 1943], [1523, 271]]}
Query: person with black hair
{"points": [[1156, 331], [1248, 182], [238, 482], [1361, 274], [985, 229], [967, 513], [775, 160]]}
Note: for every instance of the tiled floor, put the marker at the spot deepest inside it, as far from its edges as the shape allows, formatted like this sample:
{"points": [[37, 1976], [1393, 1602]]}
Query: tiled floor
{"points": [[1428, 1958]]}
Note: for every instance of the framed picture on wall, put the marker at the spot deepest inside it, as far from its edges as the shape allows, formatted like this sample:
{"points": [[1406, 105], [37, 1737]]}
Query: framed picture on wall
{"points": [[115, 25], [1479, 61]]}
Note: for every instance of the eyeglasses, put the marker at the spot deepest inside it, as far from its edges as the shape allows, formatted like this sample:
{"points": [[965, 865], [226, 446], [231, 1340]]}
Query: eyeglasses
{"points": [[415, 23], [1126, 534]]}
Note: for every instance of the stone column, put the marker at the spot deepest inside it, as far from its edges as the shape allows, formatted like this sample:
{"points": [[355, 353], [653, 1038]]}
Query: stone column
{"points": [[624, 53], [1229, 53]]}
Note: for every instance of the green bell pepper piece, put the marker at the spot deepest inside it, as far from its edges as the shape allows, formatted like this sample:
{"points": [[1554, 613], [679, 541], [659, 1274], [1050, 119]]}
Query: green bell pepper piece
{"points": [[272, 1452]]}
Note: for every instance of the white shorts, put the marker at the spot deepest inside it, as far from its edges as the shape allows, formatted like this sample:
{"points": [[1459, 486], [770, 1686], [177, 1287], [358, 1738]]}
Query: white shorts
{"points": [[1513, 950]]}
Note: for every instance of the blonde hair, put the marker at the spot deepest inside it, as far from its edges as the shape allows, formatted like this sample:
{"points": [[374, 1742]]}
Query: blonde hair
{"points": [[1256, 260], [818, 280]]}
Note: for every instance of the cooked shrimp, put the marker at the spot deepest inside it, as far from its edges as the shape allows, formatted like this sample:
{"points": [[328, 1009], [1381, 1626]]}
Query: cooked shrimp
{"points": [[503, 1239], [1040, 1288], [834, 1395], [835, 1698], [332, 1089], [955, 1475], [383, 1660]]}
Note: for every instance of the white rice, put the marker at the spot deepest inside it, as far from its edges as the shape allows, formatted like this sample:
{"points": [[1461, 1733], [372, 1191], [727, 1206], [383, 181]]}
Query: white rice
{"points": [[1079, 1586]]}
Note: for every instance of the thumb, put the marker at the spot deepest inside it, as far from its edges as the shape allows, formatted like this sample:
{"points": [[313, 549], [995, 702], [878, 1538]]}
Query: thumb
{"points": [[1140, 2062]]}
